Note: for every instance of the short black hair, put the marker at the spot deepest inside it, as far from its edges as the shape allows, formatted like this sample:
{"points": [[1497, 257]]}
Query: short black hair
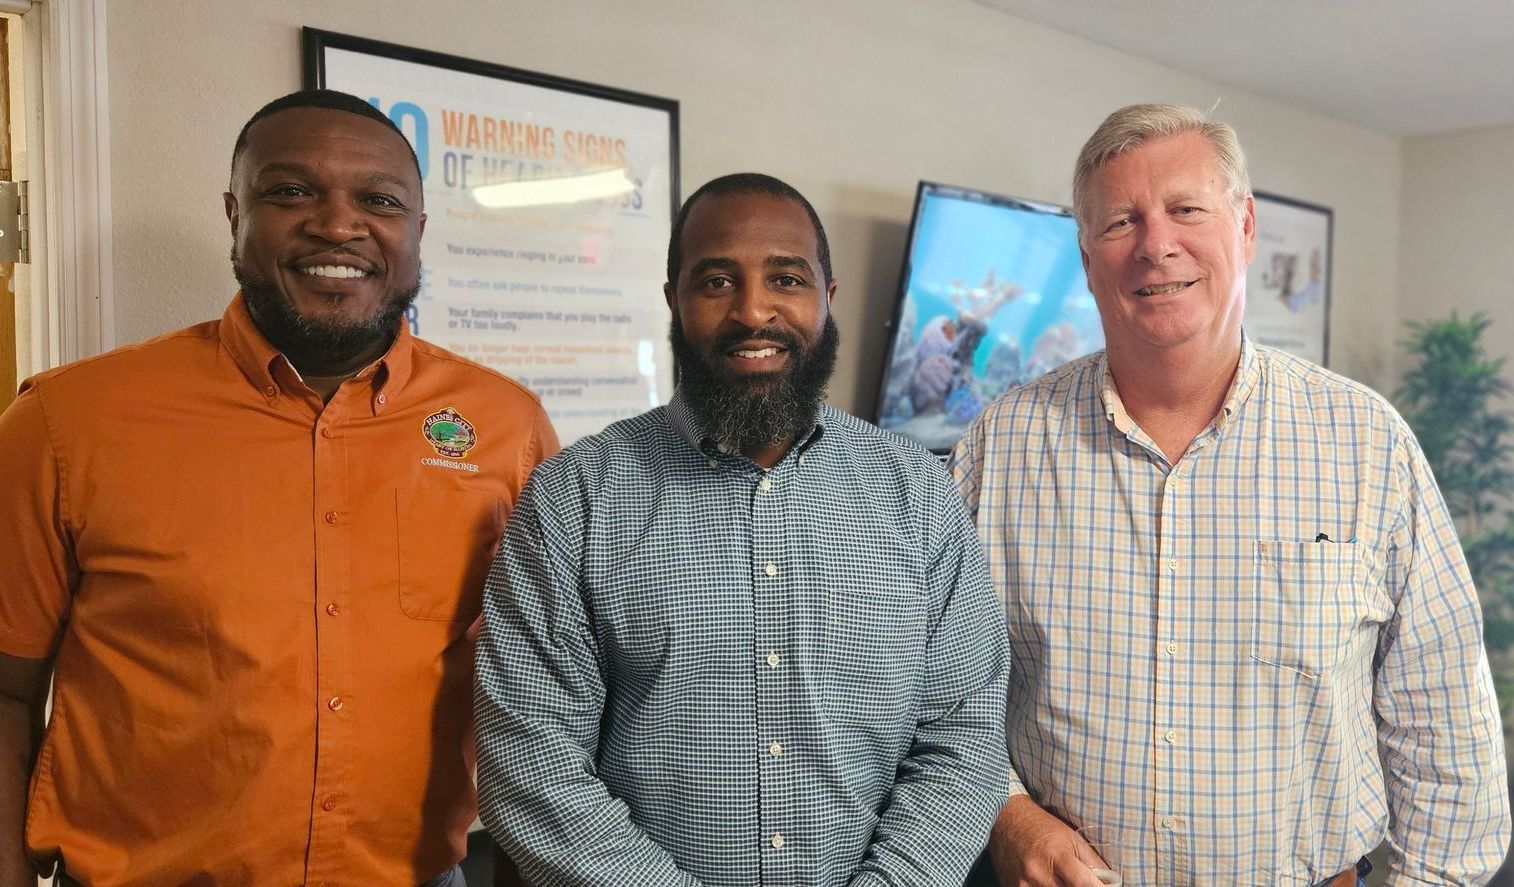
{"points": [[745, 183], [320, 98]]}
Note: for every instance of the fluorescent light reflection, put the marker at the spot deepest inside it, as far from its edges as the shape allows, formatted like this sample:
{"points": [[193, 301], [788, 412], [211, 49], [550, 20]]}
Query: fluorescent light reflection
{"points": [[646, 362], [567, 189]]}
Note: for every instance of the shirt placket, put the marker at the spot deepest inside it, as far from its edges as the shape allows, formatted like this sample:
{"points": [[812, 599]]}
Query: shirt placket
{"points": [[1181, 607], [774, 576], [1171, 725], [335, 702]]}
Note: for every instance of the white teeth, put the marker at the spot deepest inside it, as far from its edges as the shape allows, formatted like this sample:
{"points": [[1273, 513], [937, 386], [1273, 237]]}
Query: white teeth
{"points": [[339, 271], [759, 353], [1161, 290]]}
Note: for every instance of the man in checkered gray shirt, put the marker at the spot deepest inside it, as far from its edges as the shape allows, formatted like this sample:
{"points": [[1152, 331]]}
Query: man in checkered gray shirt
{"points": [[744, 638], [1244, 639]]}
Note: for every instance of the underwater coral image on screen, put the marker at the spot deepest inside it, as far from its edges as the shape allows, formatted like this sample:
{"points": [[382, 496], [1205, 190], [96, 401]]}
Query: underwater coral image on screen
{"points": [[992, 295]]}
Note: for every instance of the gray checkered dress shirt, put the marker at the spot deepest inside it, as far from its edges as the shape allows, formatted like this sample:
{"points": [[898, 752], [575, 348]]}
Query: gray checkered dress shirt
{"points": [[1252, 663], [695, 671]]}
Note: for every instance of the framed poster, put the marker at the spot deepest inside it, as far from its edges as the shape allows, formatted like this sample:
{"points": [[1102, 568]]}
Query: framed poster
{"points": [[548, 204], [1288, 283]]}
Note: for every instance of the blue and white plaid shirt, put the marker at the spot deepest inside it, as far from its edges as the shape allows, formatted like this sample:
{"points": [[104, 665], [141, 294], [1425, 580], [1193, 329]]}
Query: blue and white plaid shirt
{"points": [[692, 670], [1251, 663]]}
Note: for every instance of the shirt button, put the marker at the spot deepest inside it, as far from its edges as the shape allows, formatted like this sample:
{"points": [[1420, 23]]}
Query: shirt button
{"points": [[724, 448], [383, 399], [332, 609], [773, 659], [778, 842], [1171, 736], [1170, 822], [334, 703], [327, 433], [801, 460], [775, 749], [331, 517], [1172, 564], [713, 463], [271, 391], [770, 569], [765, 485], [329, 803], [1172, 649]]}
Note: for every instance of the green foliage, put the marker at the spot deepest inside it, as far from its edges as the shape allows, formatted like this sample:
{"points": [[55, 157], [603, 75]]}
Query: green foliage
{"points": [[1450, 397]]}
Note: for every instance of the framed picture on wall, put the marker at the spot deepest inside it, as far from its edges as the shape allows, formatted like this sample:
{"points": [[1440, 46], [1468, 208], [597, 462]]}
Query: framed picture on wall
{"points": [[1288, 283], [548, 206]]}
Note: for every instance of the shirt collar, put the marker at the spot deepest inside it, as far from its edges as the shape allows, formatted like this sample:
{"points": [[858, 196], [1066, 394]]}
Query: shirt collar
{"points": [[686, 424], [1246, 375], [1114, 408], [271, 373]]}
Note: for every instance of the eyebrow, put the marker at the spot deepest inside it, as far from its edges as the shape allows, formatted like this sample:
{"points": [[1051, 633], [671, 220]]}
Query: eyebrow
{"points": [[712, 263], [1177, 197], [789, 262], [726, 263], [288, 167]]}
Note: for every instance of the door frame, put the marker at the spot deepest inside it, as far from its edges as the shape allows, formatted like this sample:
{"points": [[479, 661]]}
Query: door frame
{"points": [[68, 158]]}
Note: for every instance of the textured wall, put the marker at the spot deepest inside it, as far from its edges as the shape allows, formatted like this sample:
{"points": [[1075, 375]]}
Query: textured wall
{"points": [[851, 101], [1457, 235]]}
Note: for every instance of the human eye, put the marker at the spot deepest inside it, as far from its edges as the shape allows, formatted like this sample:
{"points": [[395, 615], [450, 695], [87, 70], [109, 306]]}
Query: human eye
{"points": [[1120, 224], [285, 191], [789, 281], [384, 201], [717, 282]]}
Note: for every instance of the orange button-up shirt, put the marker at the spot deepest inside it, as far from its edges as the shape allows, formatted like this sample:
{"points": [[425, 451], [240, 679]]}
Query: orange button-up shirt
{"points": [[262, 610]]}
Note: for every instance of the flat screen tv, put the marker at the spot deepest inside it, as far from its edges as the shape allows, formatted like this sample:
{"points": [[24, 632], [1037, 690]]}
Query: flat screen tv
{"points": [[992, 294]]}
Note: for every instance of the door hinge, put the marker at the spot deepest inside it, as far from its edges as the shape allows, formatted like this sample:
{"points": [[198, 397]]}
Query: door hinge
{"points": [[15, 226]]}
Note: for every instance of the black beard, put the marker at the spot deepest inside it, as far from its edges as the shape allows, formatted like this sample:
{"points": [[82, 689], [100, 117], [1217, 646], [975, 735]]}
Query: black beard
{"points": [[750, 411], [311, 345]]}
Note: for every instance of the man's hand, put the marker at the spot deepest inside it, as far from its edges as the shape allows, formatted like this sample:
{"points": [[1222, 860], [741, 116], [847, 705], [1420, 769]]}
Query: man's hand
{"points": [[23, 689], [1032, 848]]}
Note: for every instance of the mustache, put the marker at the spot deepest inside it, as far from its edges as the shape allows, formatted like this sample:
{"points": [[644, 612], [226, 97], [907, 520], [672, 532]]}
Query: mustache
{"points": [[780, 337], [332, 253]]}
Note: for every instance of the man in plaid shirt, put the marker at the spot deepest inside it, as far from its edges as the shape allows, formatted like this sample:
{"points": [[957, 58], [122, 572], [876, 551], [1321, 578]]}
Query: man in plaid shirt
{"points": [[744, 638], [1242, 632]]}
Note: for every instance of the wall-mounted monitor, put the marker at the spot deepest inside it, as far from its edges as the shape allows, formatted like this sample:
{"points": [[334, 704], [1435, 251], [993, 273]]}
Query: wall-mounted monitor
{"points": [[991, 295]]}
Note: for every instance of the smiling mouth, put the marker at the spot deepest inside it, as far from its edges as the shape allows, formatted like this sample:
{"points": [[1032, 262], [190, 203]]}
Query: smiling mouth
{"points": [[756, 353], [1165, 288], [335, 272]]}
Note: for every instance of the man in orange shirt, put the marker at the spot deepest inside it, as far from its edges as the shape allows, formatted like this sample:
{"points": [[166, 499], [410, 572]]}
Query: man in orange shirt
{"points": [[251, 554]]}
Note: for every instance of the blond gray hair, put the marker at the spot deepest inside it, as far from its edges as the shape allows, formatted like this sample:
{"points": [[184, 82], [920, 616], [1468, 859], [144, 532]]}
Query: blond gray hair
{"points": [[1134, 125]]}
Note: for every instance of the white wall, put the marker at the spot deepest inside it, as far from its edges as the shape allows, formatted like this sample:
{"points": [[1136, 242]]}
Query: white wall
{"points": [[850, 100], [1456, 241]]}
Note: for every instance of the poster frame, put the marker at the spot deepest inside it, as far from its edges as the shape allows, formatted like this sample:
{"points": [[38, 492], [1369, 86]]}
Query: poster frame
{"points": [[315, 44], [1275, 205]]}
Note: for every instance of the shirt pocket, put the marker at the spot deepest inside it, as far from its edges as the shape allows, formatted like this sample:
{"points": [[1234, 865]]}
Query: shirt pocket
{"points": [[1306, 604], [874, 651], [447, 540]]}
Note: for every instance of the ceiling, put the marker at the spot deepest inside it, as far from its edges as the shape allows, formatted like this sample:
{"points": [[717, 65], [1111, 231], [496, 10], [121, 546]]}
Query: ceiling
{"points": [[1404, 67]]}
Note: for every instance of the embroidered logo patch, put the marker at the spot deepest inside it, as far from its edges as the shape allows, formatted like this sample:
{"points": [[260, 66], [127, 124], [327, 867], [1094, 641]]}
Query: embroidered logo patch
{"points": [[449, 433]]}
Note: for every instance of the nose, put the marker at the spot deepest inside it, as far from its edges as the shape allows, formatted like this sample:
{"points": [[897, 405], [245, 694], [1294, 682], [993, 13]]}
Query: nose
{"points": [[335, 221], [1158, 240], [752, 305]]}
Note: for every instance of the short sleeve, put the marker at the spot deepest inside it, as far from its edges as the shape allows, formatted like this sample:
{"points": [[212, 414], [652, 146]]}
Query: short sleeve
{"points": [[37, 568]]}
